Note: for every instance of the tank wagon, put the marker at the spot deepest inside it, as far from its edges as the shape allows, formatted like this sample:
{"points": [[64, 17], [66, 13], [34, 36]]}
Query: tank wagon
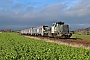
{"points": [[58, 29]]}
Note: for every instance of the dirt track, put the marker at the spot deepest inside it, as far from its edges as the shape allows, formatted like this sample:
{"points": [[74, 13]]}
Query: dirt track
{"points": [[70, 42]]}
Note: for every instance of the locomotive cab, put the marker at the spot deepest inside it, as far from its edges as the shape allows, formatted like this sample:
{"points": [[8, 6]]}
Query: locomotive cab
{"points": [[59, 29]]}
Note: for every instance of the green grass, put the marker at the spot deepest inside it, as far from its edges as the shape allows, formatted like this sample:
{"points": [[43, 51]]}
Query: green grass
{"points": [[16, 47], [81, 36]]}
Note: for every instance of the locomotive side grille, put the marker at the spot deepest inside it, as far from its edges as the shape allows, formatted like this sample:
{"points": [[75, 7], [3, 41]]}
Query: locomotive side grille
{"points": [[65, 29]]}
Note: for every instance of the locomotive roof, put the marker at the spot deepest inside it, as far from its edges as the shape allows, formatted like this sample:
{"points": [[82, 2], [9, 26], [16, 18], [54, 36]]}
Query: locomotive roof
{"points": [[60, 22]]}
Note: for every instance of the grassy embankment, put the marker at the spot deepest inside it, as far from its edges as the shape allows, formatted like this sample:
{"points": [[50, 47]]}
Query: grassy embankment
{"points": [[81, 36], [16, 47]]}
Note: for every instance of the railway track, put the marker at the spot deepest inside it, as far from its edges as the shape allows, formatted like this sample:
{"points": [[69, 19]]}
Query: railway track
{"points": [[74, 42]]}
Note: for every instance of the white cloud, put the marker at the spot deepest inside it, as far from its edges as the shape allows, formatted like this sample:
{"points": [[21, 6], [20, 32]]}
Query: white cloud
{"points": [[77, 16]]}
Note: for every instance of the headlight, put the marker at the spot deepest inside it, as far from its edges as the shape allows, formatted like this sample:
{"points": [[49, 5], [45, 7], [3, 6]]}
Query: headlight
{"points": [[60, 34]]}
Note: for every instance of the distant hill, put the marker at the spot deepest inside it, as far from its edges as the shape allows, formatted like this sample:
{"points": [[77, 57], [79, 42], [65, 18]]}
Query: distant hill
{"points": [[83, 31], [87, 29]]}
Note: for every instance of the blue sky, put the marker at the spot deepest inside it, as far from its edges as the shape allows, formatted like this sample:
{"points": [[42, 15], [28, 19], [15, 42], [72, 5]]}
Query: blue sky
{"points": [[20, 14], [35, 3]]}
